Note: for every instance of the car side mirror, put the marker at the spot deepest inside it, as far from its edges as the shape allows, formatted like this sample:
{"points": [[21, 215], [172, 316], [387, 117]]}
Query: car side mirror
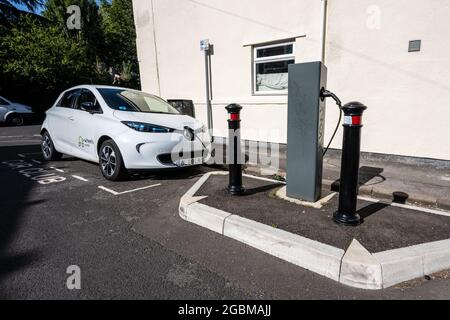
{"points": [[89, 107]]}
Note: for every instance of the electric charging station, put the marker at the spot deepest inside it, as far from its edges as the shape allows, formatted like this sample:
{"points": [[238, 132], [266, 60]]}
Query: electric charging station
{"points": [[306, 120]]}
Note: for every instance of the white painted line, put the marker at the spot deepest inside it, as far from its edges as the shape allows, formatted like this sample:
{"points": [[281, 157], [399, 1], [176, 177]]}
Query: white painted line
{"points": [[21, 155], [128, 191], [36, 161], [108, 190], [80, 178], [408, 206], [263, 179], [59, 170], [36, 135], [433, 211], [137, 189], [7, 137]]}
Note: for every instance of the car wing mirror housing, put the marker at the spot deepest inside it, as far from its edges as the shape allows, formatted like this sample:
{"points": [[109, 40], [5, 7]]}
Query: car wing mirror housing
{"points": [[90, 107]]}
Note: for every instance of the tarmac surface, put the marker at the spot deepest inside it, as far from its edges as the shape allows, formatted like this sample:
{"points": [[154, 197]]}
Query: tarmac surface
{"points": [[131, 243]]}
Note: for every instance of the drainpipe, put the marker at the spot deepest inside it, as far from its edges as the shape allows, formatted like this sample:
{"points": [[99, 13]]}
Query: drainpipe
{"points": [[323, 29]]}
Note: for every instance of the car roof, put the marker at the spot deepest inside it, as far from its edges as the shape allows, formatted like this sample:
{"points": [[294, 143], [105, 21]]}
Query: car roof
{"points": [[97, 86]]}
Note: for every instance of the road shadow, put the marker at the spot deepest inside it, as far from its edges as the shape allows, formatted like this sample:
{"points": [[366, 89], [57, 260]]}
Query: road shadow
{"points": [[264, 188], [371, 209], [366, 173], [14, 192]]}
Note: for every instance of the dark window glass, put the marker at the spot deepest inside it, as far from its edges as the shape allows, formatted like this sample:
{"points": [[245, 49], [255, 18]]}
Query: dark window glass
{"points": [[135, 101], [274, 51], [87, 96], [3, 102], [273, 67], [67, 100]]}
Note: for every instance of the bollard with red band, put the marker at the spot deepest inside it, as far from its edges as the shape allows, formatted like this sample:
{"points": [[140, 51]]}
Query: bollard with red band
{"points": [[234, 150], [348, 183]]}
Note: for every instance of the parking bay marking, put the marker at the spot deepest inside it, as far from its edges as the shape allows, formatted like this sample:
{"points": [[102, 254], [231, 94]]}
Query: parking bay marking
{"points": [[56, 169], [128, 191], [80, 178]]}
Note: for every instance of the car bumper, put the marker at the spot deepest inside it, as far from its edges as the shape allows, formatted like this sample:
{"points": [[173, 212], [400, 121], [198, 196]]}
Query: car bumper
{"points": [[160, 150]]}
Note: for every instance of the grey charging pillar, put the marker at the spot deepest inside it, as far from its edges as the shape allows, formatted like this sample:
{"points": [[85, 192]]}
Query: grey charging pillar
{"points": [[306, 119]]}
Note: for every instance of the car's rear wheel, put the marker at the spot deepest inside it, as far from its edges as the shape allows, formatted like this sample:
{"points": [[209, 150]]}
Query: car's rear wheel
{"points": [[15, 119], [111, 162], [48, 148]]}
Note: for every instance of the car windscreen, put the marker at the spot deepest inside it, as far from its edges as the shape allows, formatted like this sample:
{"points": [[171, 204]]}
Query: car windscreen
{"points": [[135, 101]]}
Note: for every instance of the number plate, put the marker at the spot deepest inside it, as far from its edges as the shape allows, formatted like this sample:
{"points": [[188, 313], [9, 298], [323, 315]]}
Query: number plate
{"points": [[189, 162]]}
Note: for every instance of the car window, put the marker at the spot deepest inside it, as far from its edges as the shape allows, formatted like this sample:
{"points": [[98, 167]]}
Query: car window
{"points": [[87, 96], [135, 101], [4, 102], [67, 99]]}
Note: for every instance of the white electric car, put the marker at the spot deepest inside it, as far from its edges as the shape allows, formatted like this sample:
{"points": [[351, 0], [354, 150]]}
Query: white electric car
{"points": [[14, 113], [122, 130]]}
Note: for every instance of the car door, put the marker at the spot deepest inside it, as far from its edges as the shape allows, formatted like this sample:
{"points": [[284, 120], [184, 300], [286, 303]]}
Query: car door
{"points": [[61, 122], [85, 120], [4, 108]]}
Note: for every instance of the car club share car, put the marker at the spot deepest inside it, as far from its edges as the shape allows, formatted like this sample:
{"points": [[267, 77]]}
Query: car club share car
{"points": [[122, 130]]}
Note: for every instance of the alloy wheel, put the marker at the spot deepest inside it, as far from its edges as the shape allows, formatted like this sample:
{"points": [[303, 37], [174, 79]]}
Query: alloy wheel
{"points": [[46, 146], [108, 160]]}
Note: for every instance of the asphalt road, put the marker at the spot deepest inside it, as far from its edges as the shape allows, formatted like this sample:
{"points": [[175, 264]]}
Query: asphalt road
{"points": [[129, 242]]}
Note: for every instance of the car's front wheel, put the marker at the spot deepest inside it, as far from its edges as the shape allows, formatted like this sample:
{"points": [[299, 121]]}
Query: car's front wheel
{"points": [[48, 148], [111, 162], [15, 119]]}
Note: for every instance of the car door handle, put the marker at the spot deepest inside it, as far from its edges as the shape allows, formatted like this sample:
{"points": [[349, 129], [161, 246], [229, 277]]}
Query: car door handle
{"points": [[71, 118]]}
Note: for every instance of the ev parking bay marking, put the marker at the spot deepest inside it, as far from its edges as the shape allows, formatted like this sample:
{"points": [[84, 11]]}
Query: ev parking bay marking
{"points": [[128, 191], [38, 174]]}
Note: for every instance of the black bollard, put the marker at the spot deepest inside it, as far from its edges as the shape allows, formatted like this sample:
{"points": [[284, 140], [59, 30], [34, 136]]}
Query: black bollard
{"points": [[348, 185], [234, 150]]}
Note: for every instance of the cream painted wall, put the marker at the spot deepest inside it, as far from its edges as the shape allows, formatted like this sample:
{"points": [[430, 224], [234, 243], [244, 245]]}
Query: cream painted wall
{"points": [[408, 94]]}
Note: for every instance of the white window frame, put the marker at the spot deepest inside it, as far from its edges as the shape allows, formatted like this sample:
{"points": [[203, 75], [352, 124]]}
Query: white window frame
{"points": [[281, 57]]}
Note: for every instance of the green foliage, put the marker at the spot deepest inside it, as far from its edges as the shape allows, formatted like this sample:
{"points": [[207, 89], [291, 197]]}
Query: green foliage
{"points": [[40, 57], [119, 32]]}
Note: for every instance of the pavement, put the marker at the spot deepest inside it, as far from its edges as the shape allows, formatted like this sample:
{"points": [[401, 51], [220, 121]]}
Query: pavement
{"points": [[425, 182], [132, 244]]}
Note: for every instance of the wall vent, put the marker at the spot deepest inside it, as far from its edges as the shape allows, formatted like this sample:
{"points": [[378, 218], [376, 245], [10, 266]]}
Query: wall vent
{"points": [[414, 45]]}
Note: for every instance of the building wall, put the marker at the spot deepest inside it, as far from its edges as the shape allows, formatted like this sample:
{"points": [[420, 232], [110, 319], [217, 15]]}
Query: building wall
{"points": [[407, 94]]}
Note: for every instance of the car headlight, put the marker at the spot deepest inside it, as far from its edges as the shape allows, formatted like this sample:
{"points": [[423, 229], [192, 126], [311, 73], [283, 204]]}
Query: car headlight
{"points": [[146, 127]]}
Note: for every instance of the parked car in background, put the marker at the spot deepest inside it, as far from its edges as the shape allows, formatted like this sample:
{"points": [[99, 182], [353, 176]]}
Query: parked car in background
{"points": [[15, 114], [122, 130]]}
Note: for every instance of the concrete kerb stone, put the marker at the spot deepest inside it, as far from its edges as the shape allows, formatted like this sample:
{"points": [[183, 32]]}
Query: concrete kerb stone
{"points": [[355, 267], [360, 269]]}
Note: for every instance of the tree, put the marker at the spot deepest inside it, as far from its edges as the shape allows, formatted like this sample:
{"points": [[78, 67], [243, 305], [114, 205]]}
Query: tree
{"points": [[91, 29], [120, 35], [40, 61]]}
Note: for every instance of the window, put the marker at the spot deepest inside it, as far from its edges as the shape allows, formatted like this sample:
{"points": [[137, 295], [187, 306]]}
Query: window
{"points": [[67, 99], [4, 102], [270, 67], [135, 101], [87, 96]]}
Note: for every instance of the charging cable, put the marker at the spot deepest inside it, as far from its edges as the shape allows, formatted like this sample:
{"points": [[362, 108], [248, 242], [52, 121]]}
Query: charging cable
{"points": [[328, 94]]}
